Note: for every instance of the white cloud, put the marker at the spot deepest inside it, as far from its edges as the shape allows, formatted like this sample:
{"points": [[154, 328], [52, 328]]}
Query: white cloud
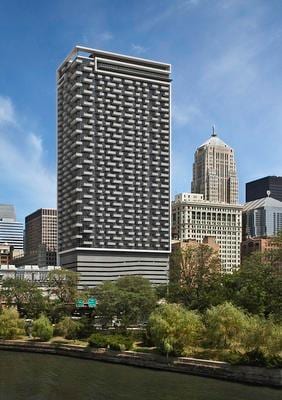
{"points": [[93, 38], [232, 71], [176, 7], [23, 171], [189, 3], [137, 49], [36, 146], [185, 114], [238, 54], [105, 36], [7, 114]]}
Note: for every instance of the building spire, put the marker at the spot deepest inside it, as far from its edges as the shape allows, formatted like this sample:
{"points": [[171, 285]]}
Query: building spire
{"points": [[213, 131]]}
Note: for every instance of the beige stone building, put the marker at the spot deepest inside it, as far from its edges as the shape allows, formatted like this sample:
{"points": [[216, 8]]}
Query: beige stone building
{"points": [[195, 218], [214, 172]]}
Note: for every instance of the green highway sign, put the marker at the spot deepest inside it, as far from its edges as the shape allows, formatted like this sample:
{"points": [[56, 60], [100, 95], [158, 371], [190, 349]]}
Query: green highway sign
{"points": [[92, 302], [79, 303]]}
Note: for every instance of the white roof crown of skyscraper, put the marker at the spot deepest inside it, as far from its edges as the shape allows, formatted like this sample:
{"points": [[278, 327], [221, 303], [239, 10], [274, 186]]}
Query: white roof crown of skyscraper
{"points": [[214, 140], [264, 202]]}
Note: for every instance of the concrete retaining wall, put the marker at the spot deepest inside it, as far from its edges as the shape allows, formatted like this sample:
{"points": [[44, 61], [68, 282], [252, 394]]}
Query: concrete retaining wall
{"points": [[207, 368]]}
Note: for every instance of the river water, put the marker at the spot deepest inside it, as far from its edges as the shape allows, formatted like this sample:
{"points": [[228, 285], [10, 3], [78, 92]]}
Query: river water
{"points": [[27, 376]]}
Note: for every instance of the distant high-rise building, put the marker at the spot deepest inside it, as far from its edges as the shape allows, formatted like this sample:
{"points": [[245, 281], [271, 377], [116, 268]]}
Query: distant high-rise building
{"points": [[214, 171], [7, 212], [40, 245], [11, 231], [259, 188], [113, 166], [194, 218], [262, 218], [6, 254]]}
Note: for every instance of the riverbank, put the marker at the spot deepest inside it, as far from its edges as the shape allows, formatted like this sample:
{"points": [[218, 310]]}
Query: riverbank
{"points": [[207, 368]]}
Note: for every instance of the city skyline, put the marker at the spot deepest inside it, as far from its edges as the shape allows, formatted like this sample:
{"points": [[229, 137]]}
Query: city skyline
{"points": [[231, 68]]}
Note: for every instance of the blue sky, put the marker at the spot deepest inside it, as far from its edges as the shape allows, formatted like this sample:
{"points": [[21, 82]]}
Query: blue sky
{"points": [[226, 57]]}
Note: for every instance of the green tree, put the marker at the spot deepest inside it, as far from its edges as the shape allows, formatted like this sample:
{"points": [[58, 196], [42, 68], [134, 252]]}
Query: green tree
{"points": [[274, 339], [251, 288], [137, 299], [256, 287], [68, 328], [25, 295], [62, 285], [10, 324], [263, 335], [56, 310], [173, 329], [42, 328], [225, 325], [195, 276], [131, 299], [276, 252], [108, 297]]}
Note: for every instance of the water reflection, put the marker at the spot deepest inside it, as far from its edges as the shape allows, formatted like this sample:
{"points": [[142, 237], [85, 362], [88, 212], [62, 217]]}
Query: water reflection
{"points": [[43, 377]]}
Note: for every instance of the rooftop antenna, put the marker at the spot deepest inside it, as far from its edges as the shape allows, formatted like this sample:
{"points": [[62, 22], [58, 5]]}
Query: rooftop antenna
{"points": [[213, 131]]}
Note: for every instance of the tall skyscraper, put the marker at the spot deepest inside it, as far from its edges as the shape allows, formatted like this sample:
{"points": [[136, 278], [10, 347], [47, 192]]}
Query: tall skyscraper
{"points": [[40, 244], [258, 189], [113, 166], [214, 171], [11, 231]]}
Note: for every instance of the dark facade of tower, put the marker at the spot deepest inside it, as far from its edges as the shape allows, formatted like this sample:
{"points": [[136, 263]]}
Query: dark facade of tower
{"points": [[113, 166], [40, 239], [258, 189]]}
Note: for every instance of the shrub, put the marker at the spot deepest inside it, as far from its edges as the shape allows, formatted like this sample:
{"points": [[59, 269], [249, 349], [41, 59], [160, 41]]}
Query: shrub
{"points": [[11, 326], [120, 342], [56, 311], [114, 342], [42, 328], [274, 339], [68, 328], [263, 335], [225, 326], [147, 339], [97, 340], [86, 328], [259, 358], [233, 357], [172, 328], [254, 335]]}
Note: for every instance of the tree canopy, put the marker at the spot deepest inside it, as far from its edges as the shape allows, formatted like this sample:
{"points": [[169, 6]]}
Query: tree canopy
{"points": [[130, 299], [25, 295], [194, 276], [173, 328], [62, 285]]}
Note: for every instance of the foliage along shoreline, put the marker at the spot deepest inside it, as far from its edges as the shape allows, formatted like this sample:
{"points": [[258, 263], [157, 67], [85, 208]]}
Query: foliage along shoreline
{"points": [[236, 318]]}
